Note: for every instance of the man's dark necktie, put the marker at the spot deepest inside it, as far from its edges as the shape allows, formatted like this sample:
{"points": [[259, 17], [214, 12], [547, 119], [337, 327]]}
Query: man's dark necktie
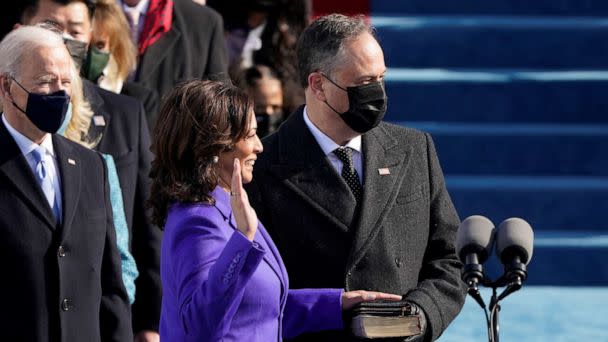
{"points": [[349, 173]]}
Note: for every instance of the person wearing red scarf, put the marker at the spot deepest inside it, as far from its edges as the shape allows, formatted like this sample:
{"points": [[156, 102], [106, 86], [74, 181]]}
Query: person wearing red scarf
{"points": [[176, 40]]}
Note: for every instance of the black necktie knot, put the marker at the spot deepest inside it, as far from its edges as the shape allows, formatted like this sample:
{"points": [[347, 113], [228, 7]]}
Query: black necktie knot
{"points": [[349, 173]]}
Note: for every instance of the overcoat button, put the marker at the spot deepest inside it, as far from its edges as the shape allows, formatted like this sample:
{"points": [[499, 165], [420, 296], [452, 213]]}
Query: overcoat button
{"points": [[66, 304]]}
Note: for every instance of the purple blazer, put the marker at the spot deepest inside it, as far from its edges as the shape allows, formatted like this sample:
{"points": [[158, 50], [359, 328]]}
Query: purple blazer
{"points": [[219, 286]]}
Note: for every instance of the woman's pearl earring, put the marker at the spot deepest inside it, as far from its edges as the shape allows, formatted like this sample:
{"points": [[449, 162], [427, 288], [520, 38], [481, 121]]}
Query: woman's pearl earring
{"points": [[215, 159]]}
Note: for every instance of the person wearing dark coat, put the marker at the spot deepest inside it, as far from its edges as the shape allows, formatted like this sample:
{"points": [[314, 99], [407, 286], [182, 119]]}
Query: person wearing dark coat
{"points": [[147, 97], [119, 125], [352, 201], [63, 271], [177, 40]]}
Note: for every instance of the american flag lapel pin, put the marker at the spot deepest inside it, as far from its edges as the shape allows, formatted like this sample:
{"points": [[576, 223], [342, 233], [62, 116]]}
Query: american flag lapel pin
{"points": [[384, 171]]}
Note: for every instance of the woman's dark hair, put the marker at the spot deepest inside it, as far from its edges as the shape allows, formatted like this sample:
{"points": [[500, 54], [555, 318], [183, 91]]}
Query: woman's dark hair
{"points": [[197, 121]]}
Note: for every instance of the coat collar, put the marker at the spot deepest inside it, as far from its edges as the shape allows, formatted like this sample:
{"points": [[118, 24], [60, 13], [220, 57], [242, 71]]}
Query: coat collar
{"points": [[384, 163], [70, 170], [15, 168], [304, 168], [156, 53]]}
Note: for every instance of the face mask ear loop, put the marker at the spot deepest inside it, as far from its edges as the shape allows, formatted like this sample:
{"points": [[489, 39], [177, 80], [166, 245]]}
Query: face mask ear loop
{"points": [[332, 108], [20, 86], [11, 95], [332, 82]]}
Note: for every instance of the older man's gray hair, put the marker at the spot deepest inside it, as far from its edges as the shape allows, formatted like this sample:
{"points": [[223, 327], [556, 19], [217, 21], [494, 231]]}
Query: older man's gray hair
{"points": [[21, 41], [321, 45]]}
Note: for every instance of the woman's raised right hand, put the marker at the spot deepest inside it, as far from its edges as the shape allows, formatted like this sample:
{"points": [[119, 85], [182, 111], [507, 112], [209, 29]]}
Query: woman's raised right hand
{"points": [[244, 215]]}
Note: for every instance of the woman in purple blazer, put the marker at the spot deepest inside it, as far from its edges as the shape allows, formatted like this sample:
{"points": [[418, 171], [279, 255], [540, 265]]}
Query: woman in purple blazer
{"points": [[223, 278]]}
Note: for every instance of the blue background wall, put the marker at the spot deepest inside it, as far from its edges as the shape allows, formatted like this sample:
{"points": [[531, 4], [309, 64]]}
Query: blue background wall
{"points": [[515, 94]]}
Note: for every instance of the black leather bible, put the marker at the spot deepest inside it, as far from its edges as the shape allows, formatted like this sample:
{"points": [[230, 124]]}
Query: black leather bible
{"points": [[384, 319]]}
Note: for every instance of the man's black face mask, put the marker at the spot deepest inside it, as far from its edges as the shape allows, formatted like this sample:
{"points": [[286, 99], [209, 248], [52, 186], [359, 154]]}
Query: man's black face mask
{"points": [[45, 111], [366, 105]]}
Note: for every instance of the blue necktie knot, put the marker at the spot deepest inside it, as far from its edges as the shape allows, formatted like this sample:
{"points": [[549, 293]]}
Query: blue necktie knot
{"points": [[39, 156], [44, 178]]}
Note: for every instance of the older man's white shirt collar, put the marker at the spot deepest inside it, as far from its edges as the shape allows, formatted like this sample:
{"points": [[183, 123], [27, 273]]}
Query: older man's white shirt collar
{"points": [[328, 145], [25, 144]]}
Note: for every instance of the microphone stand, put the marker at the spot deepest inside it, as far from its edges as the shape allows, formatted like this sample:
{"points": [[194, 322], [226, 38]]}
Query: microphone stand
{"points": [[513, 278]]}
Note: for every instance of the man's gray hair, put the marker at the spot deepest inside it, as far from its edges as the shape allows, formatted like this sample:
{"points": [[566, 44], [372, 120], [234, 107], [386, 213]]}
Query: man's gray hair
{"points": [[321, 45], [24, 40]]}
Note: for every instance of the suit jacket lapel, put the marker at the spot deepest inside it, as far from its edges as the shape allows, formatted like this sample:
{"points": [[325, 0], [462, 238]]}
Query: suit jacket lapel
{"points": [[305, 169], [16, 169], [69, 169], [380, 151], [97, 105], [276, 263], [271, 258]]}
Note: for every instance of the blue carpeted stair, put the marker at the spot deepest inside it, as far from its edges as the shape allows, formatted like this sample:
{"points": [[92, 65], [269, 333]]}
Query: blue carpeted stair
{"points": [[515, 94]]}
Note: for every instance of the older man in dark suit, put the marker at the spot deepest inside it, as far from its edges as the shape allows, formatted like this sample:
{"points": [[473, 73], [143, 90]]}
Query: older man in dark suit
{"points": [[63, 275], [120, 122], [352, 201]]}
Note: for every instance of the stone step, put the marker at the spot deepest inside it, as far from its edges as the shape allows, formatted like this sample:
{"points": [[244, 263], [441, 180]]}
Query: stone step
{"points": [[548, 203], [497, 96], [493, 42], [519, 149], [496, 7]]}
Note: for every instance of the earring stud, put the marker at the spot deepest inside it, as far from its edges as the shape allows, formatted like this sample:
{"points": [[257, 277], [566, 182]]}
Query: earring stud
{"points": [[215, 159]]}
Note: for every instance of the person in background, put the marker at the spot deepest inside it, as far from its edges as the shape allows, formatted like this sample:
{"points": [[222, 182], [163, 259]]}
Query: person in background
{"points": [[112, 56], [223, 278], [176, 40], [264, 87], [370, 196], [265, 32], [76, 127], [119, 122], [56, 226]]}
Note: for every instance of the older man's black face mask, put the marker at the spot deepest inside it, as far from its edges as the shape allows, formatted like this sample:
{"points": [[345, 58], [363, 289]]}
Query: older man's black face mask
{"points": [[45, 111], [366, 105]]}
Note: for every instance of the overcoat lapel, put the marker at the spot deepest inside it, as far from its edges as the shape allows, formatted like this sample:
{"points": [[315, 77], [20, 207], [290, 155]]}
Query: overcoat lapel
{"points": [[382, 155], [15, 168], [305, 169], [69, 169]]}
